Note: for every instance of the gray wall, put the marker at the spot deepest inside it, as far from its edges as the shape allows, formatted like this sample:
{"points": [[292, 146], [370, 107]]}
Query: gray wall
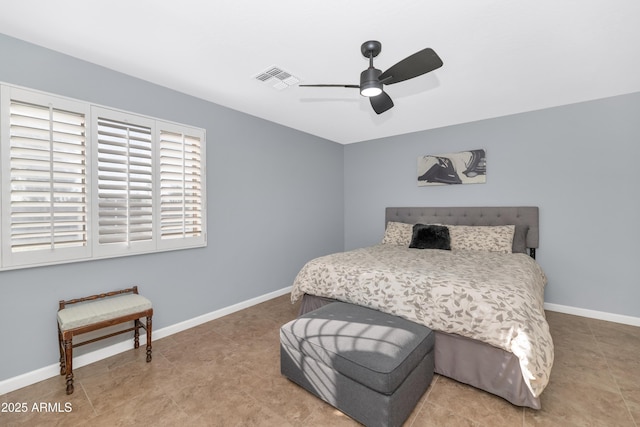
{"points": [[262, 191], [578, 163]]}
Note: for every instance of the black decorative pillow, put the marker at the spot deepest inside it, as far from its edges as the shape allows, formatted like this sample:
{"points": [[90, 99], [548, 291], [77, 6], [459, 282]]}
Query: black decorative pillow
{"points": [[430, 237]]}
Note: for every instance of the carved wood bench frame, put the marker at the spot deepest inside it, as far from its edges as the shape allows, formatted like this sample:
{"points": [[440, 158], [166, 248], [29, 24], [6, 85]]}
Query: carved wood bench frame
{"points": [[65, 337]]}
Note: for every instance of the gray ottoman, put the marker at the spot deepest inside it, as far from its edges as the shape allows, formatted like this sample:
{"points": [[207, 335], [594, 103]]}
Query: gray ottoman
{"points": [[372, 366]]}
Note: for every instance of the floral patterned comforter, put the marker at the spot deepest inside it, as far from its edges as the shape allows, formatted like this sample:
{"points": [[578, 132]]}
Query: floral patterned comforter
{"points": [[491, 297]]}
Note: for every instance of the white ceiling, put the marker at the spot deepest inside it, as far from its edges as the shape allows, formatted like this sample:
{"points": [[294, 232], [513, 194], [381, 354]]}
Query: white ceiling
{"points": [[500, 56]]}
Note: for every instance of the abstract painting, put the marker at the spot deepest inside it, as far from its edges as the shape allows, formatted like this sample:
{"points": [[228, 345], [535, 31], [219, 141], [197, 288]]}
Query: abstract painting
{"points": [[465, 167]]}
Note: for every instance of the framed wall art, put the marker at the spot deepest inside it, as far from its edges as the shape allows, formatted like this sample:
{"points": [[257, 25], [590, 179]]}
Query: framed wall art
{"points": [[465, 167]]}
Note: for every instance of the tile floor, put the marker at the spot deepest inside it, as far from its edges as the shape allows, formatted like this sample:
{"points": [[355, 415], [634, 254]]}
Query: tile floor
{"points": [[227, 373]]}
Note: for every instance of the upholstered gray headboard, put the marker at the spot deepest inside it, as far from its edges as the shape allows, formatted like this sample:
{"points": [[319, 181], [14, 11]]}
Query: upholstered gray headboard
{"points": [[521, 216]]}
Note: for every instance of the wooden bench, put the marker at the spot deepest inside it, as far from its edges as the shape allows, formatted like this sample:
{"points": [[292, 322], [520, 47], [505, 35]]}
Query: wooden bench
{"points": [[96, 312]]}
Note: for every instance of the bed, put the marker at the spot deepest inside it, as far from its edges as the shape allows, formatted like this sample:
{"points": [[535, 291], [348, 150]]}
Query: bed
{"points": [[483, 299]]}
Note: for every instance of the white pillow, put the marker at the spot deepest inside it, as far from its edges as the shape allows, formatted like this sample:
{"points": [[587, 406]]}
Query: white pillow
{"points": [[398, 233], [489, 238]]}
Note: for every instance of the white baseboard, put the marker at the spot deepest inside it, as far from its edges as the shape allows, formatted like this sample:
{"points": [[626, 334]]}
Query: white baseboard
{"points": [[53, 370], [593, 314]]}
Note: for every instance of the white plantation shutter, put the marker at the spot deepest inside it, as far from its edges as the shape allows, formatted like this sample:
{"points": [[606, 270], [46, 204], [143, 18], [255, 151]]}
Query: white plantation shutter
{"points": [[182, 196], [45, 190], [124, 194], [80, 181]]}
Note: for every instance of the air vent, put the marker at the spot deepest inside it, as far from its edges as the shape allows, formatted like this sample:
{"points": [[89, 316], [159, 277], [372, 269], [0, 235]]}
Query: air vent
{"points": [[277, 78]]}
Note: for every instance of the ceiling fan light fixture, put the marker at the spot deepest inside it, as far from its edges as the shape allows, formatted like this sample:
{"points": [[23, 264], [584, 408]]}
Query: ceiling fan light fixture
{"points": [[369, 83], [370, 91]]}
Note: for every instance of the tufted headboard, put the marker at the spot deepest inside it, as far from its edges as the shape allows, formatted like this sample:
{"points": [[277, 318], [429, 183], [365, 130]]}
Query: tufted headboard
{"points": [[523, 217]]}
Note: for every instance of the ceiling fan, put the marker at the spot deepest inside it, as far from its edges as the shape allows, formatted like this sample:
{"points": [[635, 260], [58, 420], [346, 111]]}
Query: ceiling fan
{"points": [[372, 80]]}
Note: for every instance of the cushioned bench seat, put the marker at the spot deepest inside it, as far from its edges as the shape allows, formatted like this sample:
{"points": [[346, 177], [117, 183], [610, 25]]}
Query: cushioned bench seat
{"points": [[372, 366], [99, 310]]}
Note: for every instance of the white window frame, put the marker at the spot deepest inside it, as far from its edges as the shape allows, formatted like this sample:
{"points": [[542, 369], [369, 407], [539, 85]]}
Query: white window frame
{"points": [[94, 249]]}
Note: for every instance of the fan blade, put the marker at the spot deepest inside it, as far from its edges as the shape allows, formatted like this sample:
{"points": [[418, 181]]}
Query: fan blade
{"points": [[354, 86], [412, 66], [381, 103]]}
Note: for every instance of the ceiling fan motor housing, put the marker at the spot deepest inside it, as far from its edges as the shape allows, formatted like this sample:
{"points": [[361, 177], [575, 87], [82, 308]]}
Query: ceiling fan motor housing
{"points": [[369, 83]]}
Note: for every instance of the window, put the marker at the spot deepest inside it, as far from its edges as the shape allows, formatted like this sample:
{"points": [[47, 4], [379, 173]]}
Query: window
{"points": [[123, 189], [181, 185], [44, 179], [86, 182]]}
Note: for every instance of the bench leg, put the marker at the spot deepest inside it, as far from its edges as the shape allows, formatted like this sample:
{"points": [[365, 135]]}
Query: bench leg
{"points": [[61, 348], [68, 351], [148, 338], [136, 333]]}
